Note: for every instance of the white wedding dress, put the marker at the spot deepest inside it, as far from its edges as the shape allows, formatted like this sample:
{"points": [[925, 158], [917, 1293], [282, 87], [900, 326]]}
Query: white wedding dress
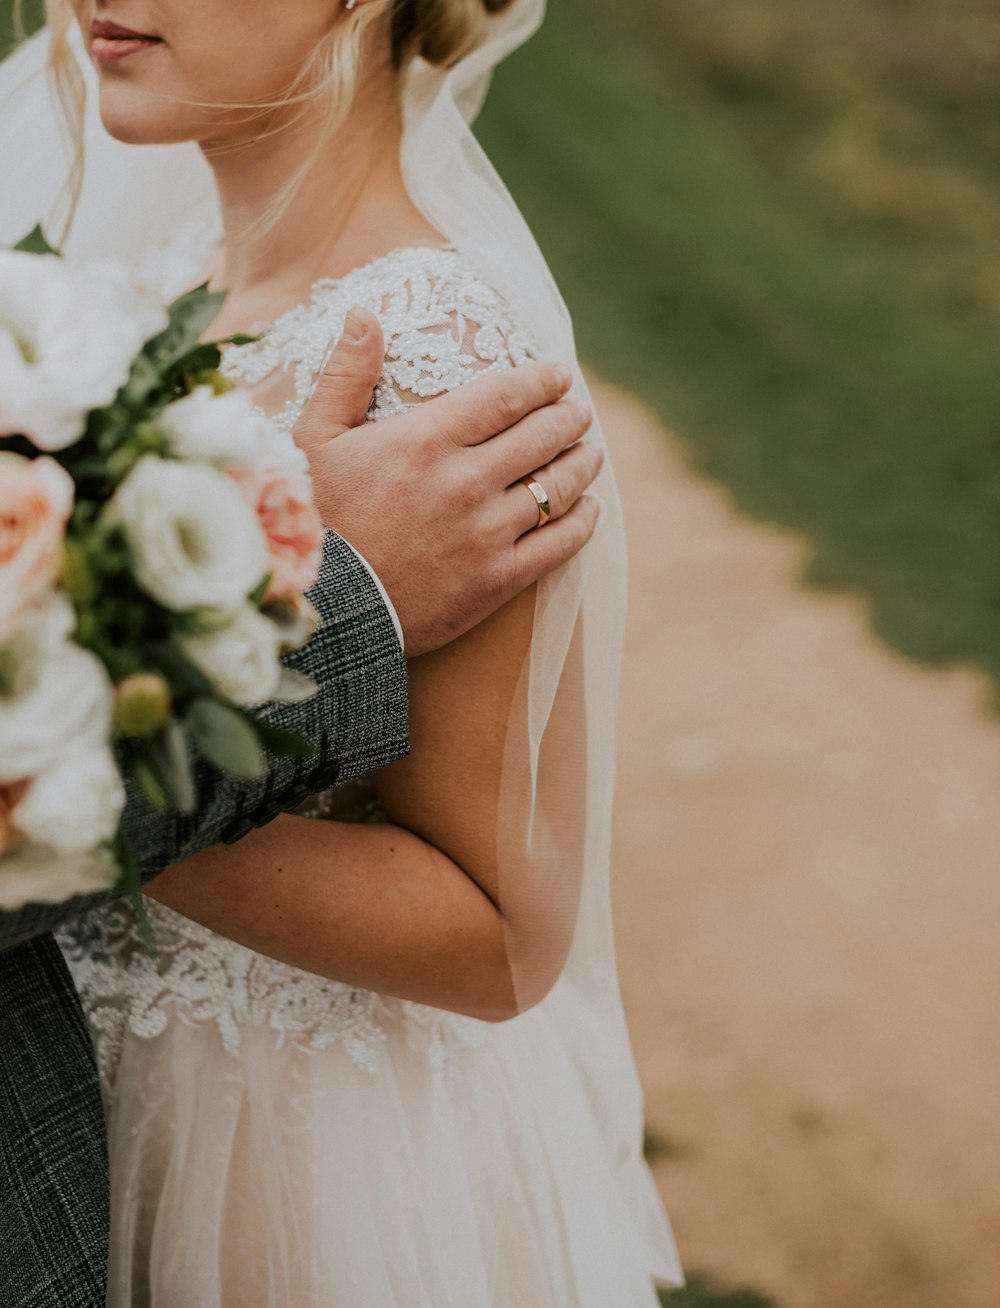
{"points": [[278, 1140]]}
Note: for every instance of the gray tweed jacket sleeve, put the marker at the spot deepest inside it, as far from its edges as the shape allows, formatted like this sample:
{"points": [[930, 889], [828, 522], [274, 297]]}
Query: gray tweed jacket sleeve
{"points": [[356, 722], [53, 1161]]}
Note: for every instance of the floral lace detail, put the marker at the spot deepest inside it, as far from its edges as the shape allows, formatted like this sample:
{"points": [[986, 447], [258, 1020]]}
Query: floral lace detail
{"points": [[443, 325], [196, 976]]}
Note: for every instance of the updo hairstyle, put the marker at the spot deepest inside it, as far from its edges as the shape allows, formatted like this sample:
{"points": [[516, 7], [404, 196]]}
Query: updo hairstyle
{"points": [[440, 31]]}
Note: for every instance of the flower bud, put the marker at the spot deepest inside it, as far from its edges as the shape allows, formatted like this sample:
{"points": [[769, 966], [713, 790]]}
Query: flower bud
{"points": [[219, 383], [78, 577], [142, 704]]}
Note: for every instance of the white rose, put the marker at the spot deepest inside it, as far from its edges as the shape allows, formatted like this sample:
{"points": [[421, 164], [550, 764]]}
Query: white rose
{"points": [[227, 430], [52, 693], [194, 538], [73, 805], [32, 874], [69, 333], [243, 659]]}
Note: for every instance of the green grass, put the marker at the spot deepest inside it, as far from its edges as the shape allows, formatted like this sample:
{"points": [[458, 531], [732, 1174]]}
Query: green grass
{"points": [[781, 225], [702, 1293]]}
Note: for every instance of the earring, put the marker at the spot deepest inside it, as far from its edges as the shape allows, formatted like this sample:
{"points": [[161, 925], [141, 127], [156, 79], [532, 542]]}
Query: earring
{"points": [[350, 4]]}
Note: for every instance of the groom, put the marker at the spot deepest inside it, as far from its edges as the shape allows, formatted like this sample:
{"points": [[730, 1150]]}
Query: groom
{"points": [[430, 500]]}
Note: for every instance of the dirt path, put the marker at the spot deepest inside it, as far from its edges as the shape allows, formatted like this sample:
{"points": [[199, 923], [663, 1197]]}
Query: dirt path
{"points": [[808, 895]]}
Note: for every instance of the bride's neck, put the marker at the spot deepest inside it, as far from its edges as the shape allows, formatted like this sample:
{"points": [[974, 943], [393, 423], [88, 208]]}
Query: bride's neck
{"points": [[352, 196]]}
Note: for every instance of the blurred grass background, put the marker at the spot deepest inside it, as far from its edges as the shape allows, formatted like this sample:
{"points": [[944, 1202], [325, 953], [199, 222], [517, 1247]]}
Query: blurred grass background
{"points": [[780, 224]]}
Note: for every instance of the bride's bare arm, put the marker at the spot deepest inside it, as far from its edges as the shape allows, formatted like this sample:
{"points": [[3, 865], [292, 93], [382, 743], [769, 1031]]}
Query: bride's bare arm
{"points": [[414, 909]]}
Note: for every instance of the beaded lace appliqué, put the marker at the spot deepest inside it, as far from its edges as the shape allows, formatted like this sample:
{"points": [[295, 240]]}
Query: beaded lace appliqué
{"points": [[443, 325]]}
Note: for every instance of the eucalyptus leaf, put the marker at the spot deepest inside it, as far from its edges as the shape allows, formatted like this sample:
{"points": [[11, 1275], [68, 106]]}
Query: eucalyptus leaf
{"points": [[284, 743], [178, 754], [175, 780], [145, 778], [226, 738]]}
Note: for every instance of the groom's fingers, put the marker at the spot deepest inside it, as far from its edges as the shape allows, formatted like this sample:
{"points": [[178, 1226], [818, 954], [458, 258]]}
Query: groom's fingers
{"points": [[563, 480], [535, 441], [473, 414], [542, 551]]}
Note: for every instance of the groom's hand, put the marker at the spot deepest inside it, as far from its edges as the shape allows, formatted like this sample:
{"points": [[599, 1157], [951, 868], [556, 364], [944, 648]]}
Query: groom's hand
{"points": [[432, 497]]}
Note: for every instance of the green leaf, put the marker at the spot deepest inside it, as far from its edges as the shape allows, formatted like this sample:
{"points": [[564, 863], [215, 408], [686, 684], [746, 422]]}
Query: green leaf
{"points": [[184, 677], [147, 781], [281, 741], [202, 621], [198, 366], [226, 737], [189, 316], [241, 338], [78, 577], [130, 881], [179, 761], [93, 467], [256, 596], [144, 378], [35, 243], [168, 756]]}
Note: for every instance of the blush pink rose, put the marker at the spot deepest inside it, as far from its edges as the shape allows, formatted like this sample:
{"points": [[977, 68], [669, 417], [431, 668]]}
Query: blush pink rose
{"points": [[36, 499], [283, 502], [10, 795]]}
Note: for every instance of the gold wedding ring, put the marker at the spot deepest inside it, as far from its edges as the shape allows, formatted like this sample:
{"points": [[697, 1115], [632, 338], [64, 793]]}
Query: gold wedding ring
{"points": [[541, 499]]}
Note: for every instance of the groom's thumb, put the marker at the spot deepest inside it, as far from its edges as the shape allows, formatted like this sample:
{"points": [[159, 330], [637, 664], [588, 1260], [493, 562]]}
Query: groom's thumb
{"points": [[344, 390]]}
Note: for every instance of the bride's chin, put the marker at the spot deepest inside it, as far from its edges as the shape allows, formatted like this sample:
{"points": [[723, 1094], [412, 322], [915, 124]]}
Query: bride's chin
{"points": [[137, 119]]}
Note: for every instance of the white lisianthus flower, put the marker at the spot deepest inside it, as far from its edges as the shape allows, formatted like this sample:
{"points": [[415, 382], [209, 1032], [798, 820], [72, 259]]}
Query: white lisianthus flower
{"points": [[227, 430], [75, 804], [195, 540], [243, 659], [32, 874], [69, 333], [53, 693]]}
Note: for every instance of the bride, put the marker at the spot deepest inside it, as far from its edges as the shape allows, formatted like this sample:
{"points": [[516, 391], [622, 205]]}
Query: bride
{"points": [[379, 1057]]}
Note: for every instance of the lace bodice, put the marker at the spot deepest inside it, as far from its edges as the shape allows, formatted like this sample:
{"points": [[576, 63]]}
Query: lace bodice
{"points": [[196, 976], [443, 325]]}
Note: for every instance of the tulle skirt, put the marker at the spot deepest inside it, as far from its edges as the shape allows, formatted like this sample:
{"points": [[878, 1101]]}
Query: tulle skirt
{"points": [[426, 1171]]}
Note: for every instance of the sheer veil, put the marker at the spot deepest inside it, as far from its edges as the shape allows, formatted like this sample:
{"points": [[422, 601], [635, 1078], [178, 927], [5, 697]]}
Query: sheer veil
{"points": [[554, 832]]}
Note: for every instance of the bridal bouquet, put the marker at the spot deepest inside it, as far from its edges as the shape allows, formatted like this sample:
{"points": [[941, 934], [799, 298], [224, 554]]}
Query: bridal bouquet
{"points": [[157, 535]]}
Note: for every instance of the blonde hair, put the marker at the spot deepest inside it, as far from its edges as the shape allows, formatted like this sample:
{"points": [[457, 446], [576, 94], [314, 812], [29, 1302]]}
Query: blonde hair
{"points": [[440, 31]]}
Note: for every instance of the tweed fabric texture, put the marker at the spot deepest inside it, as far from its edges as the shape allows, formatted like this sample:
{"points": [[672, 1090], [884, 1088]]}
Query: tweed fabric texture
{"points": [[53, 1163]]}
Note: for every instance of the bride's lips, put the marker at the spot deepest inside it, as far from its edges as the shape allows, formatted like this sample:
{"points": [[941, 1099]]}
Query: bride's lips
{"points": [[109, 42]]}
